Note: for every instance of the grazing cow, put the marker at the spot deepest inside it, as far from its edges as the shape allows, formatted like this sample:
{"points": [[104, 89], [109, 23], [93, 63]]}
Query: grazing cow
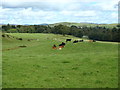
{"points": [[19, 38], [3, 35], [54, 46], [7, 35], [68, 40], [81, 40], [76, 41]]}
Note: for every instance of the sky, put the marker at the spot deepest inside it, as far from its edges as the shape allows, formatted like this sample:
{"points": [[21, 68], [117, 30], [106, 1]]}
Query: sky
{"points": [[54, 11]]}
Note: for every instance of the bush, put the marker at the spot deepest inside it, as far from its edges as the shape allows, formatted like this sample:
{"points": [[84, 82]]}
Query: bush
{"points": [[12, 31]]}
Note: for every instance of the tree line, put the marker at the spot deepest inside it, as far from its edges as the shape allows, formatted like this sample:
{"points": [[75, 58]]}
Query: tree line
{"points": [[94, 33]]}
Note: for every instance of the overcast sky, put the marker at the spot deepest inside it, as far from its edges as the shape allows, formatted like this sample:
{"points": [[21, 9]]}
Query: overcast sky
{"points": [[53, 11]]}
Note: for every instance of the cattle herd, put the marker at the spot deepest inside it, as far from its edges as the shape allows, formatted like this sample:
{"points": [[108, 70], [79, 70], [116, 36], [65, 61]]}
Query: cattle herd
{"points": [[62, 45]]}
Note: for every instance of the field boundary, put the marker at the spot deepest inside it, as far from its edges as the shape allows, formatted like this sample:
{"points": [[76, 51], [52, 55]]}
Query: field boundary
{"points": [[11, 48]]}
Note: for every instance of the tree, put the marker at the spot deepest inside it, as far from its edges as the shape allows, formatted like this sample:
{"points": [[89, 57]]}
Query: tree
{"points": [[6, 27], [61, 29], [12, 31]]}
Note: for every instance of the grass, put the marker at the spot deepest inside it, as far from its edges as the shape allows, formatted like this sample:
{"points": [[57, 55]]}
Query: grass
{"points": [[0, 61], [81, 65], [85, 24]]}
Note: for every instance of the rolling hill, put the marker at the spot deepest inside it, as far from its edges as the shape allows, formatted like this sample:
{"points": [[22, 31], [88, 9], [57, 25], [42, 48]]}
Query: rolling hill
{"points": [[83, 24]]}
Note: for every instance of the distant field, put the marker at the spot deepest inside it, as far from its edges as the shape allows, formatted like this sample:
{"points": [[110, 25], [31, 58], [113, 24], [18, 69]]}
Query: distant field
{"points": [[80, 65], [85, 24], [0, 61]]}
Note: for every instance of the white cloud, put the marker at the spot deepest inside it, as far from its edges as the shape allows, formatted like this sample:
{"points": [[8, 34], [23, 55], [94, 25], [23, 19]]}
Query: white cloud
{"points": [[25, 16], [107, 5], [79, 13], [51, 11], [85, 13]]}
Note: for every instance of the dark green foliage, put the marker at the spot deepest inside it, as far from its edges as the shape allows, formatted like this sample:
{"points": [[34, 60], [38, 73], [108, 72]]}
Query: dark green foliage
{"points": [[118, 25], [12, 31], [101, 33]]}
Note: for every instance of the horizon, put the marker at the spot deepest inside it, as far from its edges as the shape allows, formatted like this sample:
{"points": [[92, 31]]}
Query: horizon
{"points": [[59, 22], [54, 11]]}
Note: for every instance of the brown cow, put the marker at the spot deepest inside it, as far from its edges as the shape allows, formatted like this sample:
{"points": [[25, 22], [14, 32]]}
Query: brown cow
{"points": [[54, 46], [92, 40]]}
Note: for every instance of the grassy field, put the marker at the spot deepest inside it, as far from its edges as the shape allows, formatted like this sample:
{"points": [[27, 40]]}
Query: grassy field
{"points": [[0, 61], [85, 24], [80, 65]]}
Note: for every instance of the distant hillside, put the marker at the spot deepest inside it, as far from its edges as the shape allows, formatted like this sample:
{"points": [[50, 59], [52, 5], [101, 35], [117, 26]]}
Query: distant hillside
{"points": [[73, 23], [83, 24]]}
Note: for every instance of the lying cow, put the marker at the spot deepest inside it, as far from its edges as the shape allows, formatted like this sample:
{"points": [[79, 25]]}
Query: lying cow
{"points": [[54, 46], [68, 40], [61, 45]]}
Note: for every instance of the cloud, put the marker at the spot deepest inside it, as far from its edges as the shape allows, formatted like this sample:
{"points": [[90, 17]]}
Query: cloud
{"points": [[25, 16], [52, 11], [86, 13], [79, 13], [60, 4]]}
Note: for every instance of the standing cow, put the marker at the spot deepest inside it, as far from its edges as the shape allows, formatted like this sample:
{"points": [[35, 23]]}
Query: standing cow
{"points": [[81, 40], [76, 41], [68, 40]]}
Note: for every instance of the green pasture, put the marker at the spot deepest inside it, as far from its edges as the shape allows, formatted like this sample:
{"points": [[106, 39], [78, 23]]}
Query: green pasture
{"points": [[80, 65], [85, 24]]}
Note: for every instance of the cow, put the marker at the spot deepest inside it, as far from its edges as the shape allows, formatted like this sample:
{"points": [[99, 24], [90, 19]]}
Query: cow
{"points": [[61, 45], [8, 36], [81, 40], [3, 35], [90, 40], [94, 40], [54, 46], [76, 41], [68, 40], [19, 38]]}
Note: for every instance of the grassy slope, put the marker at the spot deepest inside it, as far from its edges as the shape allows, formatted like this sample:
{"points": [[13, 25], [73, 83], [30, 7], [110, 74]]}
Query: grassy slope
{"points": [[84, 24], [81, 65], [0, 61]]}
